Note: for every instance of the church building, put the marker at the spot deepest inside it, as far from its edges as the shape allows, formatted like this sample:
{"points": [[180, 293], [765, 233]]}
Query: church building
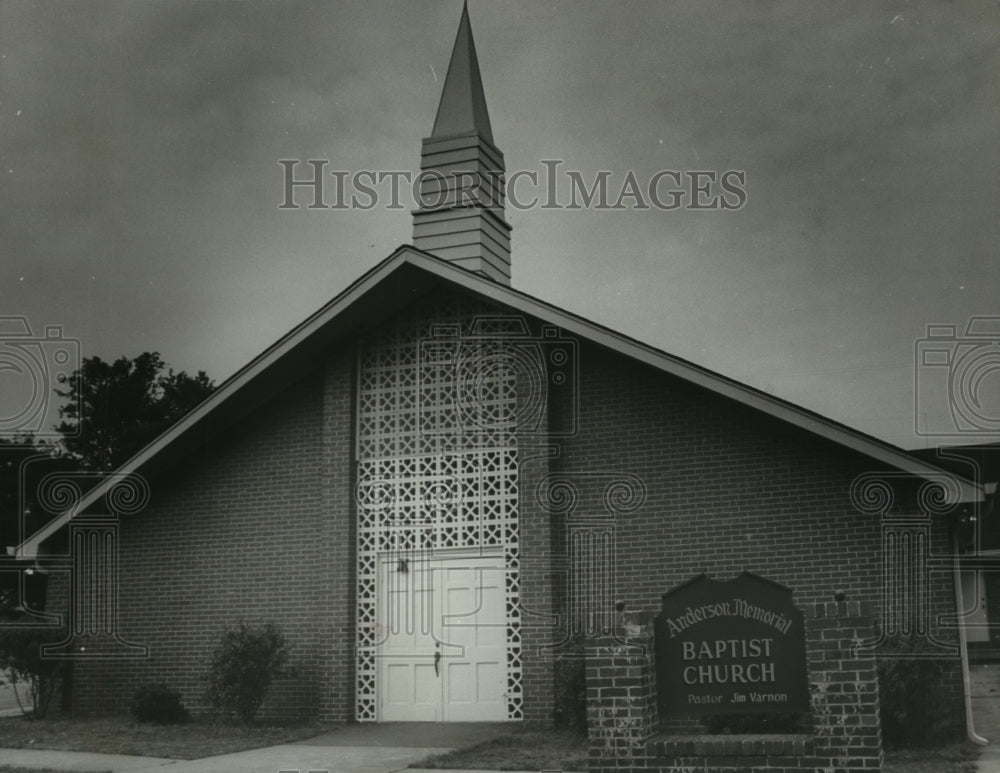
{"points": [[442, 488]]}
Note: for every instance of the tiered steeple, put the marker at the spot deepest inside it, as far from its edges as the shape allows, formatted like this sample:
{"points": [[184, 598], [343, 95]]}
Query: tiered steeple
{"points": [[461, 217]]}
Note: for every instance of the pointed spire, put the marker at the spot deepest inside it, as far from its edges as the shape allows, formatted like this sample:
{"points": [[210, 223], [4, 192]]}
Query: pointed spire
{"points": [[462, 109], [461, 215]]}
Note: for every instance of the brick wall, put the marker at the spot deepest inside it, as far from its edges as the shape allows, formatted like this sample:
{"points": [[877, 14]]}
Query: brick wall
{"points": [[256, 526], [537, 605], [621, 697], [336, 666], [729, 489], [262, 525]]}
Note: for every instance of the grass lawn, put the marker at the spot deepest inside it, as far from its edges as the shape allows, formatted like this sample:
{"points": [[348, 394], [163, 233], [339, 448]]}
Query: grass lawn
{"points": [[527, 749], [955, 758], [518, 750], [561, 750], [9, 769], [122, 735]]}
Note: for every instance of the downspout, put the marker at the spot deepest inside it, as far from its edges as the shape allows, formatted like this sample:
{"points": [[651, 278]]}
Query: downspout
{"points": [[963, 648]]}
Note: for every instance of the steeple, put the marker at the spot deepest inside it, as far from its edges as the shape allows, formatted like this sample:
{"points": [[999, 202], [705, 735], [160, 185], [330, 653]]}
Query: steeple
{"points": [[462, 109], [461, 215]]}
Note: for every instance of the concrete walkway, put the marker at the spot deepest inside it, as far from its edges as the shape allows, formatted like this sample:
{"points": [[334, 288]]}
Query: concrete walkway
{"points": [[449, 735], [79, 761], [989, 759], [352, 749]]}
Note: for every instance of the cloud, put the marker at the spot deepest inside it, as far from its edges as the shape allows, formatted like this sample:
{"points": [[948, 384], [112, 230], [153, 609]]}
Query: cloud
{"points": [[143, 139]]}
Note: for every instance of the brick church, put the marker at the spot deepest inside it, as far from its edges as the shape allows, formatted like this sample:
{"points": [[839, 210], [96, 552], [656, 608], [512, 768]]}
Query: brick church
{"points": [[439, 485]]}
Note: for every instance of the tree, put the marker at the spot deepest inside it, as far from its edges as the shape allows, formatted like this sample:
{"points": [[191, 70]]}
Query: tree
{"points": [[116, 408], [14, 452], [24, 463], [35, 678]]}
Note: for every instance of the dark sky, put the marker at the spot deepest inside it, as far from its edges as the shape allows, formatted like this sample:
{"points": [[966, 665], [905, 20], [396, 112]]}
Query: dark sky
{"points": [[139, 149]]}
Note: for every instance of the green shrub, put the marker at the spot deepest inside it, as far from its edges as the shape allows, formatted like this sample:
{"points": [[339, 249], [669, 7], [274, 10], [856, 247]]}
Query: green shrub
{"points": [[913, 703], [243, 666], [158, 703], [35, 678]]}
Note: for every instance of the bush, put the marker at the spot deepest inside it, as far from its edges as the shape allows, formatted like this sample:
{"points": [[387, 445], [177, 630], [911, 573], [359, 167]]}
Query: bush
{"points": [[913, 703], [243, 666], [158, 703], [35, 678]]}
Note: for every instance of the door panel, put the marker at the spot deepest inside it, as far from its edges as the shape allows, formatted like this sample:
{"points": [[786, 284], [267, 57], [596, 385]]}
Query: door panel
{"points": [[475, 619], [443, 653], [409, 686]]}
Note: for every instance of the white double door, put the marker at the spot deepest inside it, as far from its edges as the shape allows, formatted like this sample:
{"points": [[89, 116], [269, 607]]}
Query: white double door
{"points": [[443, 638]]}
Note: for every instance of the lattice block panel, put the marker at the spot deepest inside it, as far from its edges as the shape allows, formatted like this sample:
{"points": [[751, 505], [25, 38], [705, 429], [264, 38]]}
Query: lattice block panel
{"points": [[437, 457]]}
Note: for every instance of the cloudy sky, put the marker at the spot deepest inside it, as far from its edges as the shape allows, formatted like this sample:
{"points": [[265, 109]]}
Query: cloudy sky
{"points": [[139, 149]]}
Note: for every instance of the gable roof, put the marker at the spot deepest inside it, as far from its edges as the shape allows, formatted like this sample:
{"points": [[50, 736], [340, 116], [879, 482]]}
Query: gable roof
{"points": [[404, 276]]}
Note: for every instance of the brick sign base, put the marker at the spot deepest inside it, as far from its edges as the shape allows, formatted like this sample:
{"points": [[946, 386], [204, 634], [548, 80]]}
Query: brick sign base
{"points": [[623, 725]]}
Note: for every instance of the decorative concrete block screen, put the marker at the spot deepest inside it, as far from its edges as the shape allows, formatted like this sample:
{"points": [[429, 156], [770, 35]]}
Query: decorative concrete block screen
{"points": [[623, 721], [437, 461]]}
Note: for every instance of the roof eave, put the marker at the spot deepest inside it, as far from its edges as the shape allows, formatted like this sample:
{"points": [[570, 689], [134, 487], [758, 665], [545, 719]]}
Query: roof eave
{"points": [[966, 491]]}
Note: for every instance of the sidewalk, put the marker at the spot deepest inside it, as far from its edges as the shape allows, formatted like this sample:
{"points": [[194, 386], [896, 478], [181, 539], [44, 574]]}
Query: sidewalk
{"points": [[986, 715], [352, 749], [272, 759], [989, 759], [79, 761]]}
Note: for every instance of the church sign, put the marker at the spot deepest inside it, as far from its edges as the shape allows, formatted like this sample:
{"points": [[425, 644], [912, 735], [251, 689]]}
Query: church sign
{"points": [[730, 647]]}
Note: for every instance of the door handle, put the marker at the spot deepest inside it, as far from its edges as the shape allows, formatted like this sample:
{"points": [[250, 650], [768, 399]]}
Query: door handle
{"points": [[437, 659]]}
